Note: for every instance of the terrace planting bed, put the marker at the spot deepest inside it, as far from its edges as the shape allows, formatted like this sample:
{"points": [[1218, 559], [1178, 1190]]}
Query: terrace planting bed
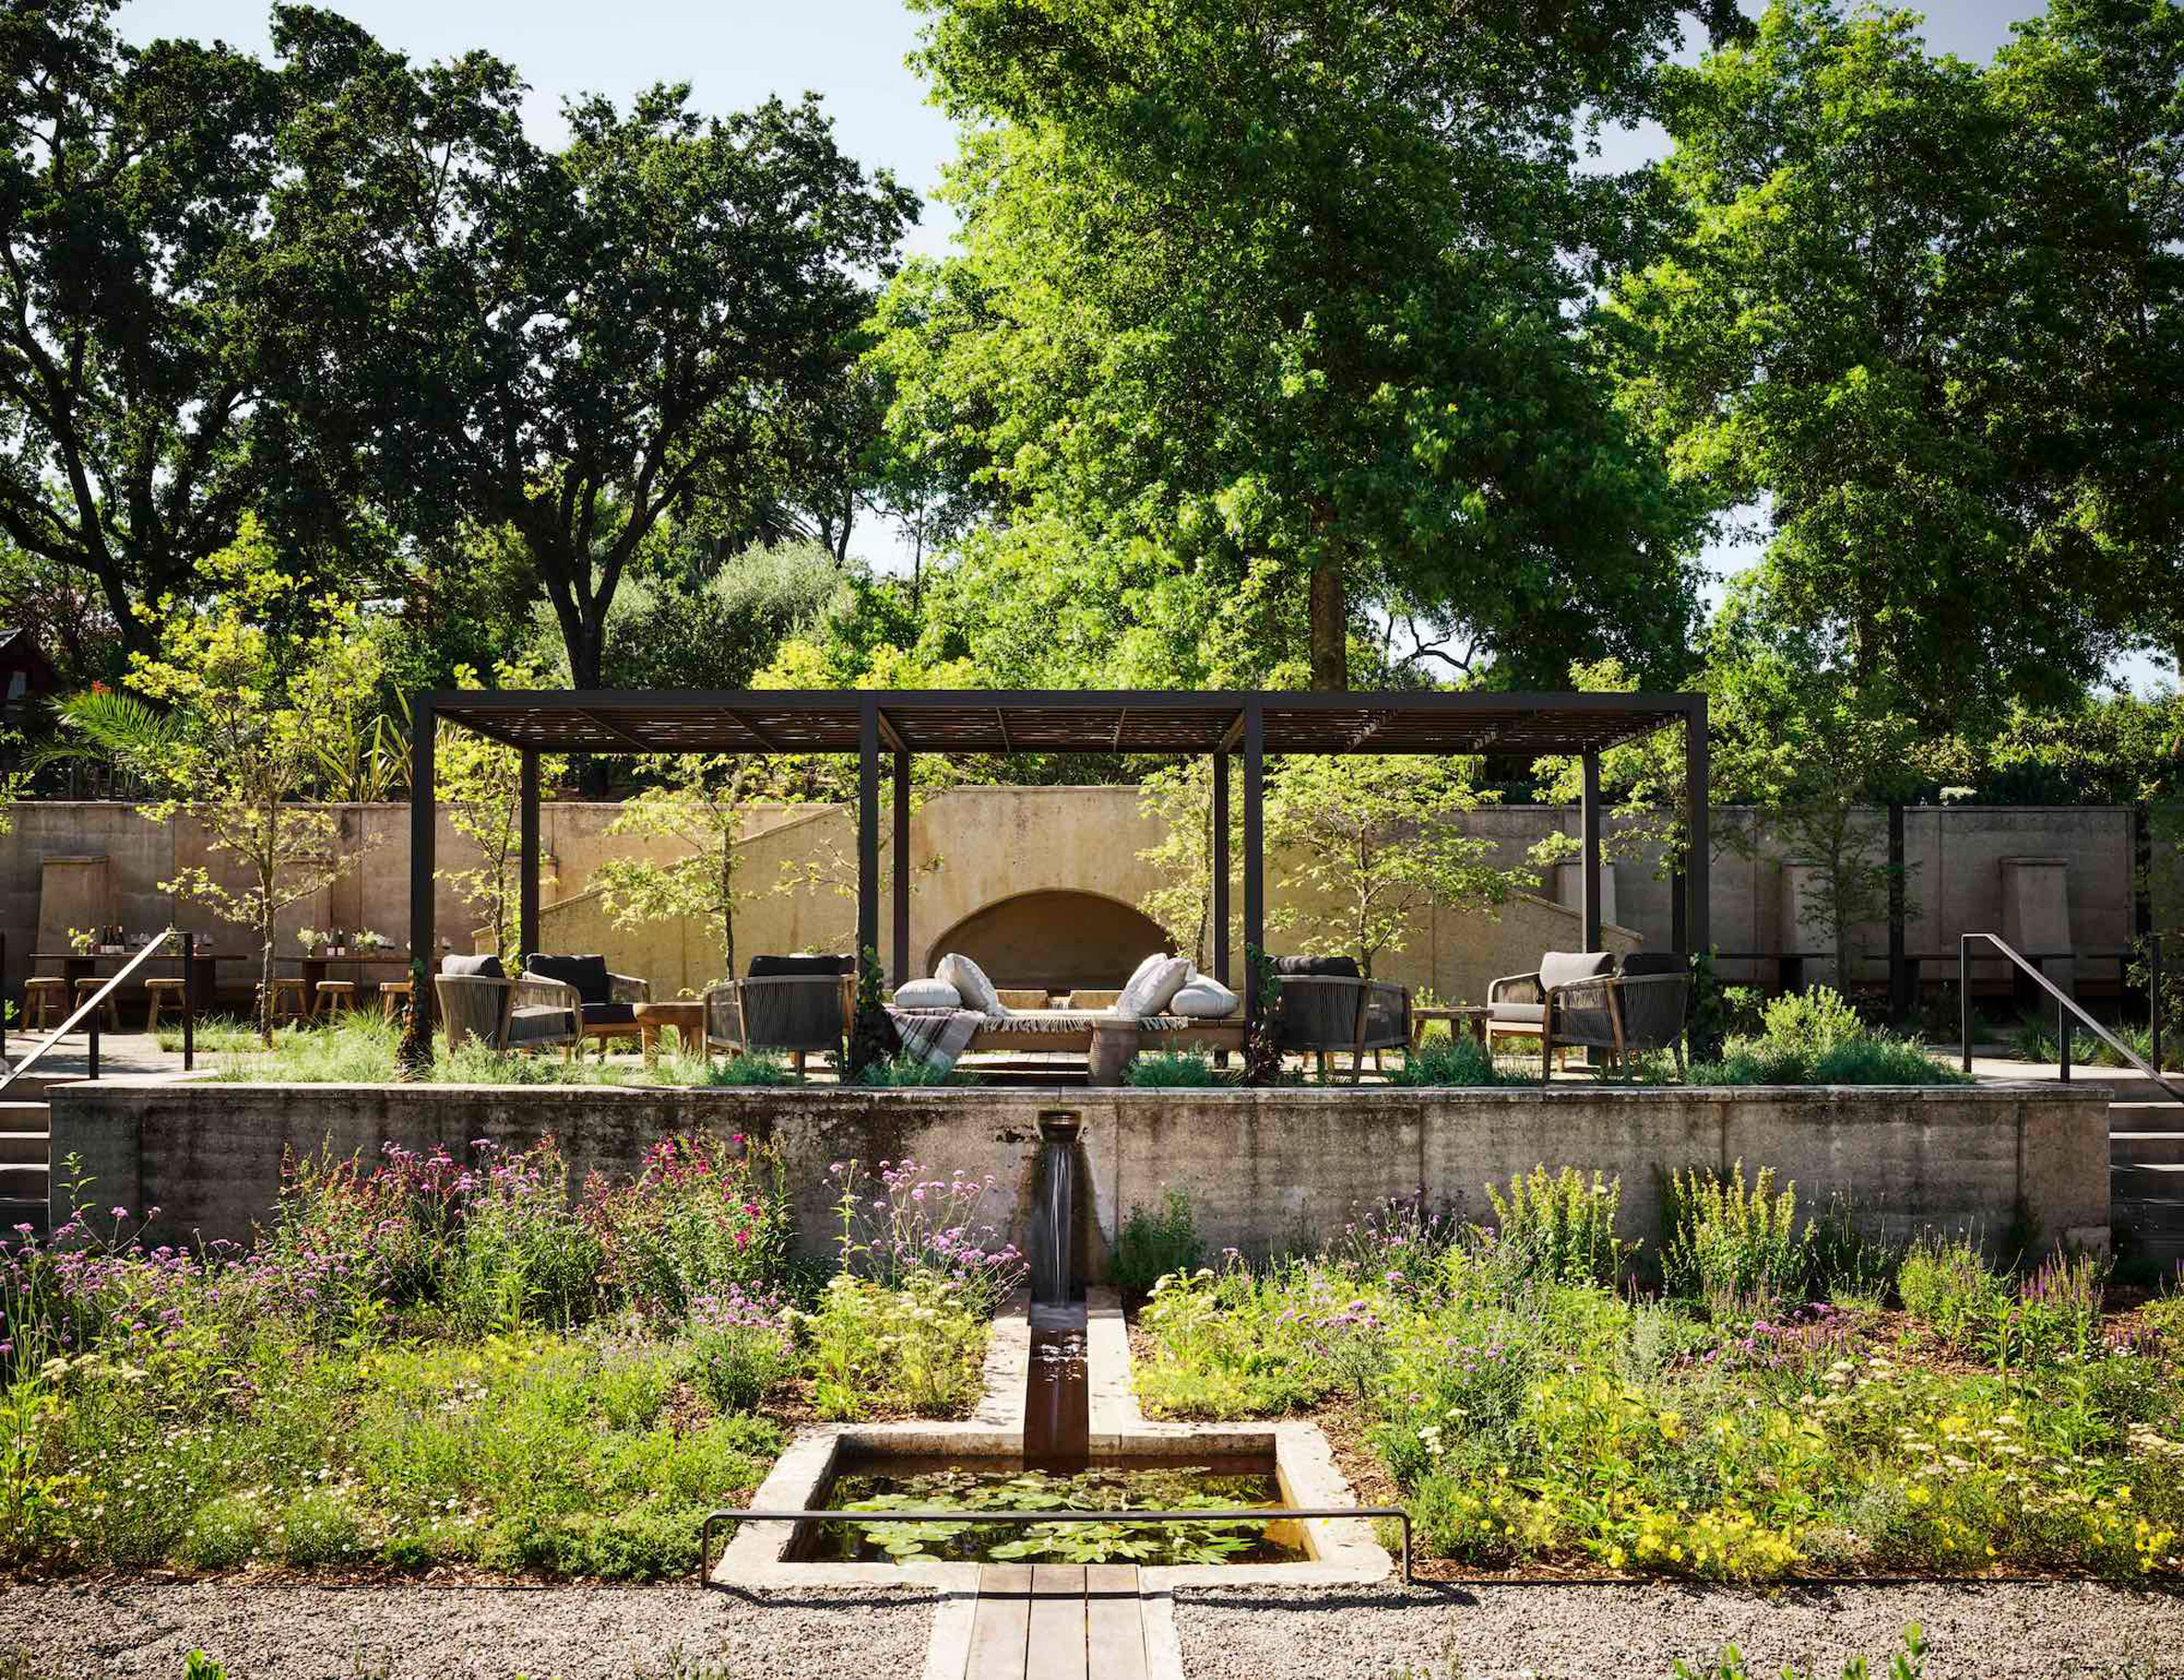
{"points": [[1263, 1168]]}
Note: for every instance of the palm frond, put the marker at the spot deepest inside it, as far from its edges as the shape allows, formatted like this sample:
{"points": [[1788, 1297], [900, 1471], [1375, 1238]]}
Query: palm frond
{"points": [[102, 724]]}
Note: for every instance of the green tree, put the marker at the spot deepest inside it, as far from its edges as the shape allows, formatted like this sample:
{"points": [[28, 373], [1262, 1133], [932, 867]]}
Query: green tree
{"points": [[704, 803], [1376, 842], [140, 382], [256, 679], [480, 786], [1849, 334], [1180, 797], [1308, 289], [596, 337]]}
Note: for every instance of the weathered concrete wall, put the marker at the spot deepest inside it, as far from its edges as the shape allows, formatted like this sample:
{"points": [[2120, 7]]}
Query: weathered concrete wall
{"points": [[1263, 1168], [989, 844]]}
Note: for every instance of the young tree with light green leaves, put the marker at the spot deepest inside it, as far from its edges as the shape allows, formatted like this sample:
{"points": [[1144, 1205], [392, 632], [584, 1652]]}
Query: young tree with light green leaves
{"points": [[1180, 797], [1375, 842], [704, 803], [256, 680], [480, 789]]}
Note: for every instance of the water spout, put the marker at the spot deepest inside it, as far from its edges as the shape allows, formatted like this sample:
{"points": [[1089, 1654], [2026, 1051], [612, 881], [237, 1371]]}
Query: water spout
{"points": [[1051, 1281]]}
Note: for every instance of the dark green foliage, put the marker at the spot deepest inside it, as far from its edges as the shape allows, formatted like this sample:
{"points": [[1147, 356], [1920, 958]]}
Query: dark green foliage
{"points": [[1180, 1067], [1154, 1242], [873, 1041], [1461, 1060]]}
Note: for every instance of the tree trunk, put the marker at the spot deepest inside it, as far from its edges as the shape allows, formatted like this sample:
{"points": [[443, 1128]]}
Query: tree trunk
{"points": [[1330, 626]]}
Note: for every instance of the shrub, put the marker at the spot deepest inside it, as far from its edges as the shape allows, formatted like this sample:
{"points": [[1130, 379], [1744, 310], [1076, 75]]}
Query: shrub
{"points": [[920, 1227], [1179, 1068], [741, 1347], [1945, 1285], [1737, 1251], [746, 1068], [906, 1071], [1560, 1229], [702, 1214], [915, 1349], [1811, 1022], [1815, 1037], [1152, 1244], [1454, 1061], [1851, 1269]]}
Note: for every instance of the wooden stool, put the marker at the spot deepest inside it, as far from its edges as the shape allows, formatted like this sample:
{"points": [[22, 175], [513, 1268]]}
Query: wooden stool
{"points": [[86, 989], [45, 996], [337, 997], [165, 989], [395, 992], [289, 1001]]}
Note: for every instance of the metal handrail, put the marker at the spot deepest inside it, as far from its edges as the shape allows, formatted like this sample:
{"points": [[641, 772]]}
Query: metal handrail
{"points": [[2065, 1007], [98, 1001], [1258, 1514]]}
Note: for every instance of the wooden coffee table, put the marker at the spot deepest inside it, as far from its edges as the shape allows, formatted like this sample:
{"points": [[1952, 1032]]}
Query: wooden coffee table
{"points": [[1457, 1015], [686, 1015]]}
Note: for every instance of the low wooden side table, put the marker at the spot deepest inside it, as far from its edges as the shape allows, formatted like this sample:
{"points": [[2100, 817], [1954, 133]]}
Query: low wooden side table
{"points": [[687, 1015], [1472, 1015]]}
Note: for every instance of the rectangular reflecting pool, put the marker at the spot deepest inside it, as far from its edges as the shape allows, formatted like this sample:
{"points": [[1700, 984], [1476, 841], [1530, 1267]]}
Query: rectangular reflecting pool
{"points": [[905, 1483]]}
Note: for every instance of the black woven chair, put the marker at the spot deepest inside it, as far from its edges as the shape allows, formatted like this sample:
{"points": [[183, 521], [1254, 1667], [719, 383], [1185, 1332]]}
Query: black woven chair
{"points": [[479, 1000], [1325, 1004], [798, 1004], [605, 1001], [1576, 1000]]}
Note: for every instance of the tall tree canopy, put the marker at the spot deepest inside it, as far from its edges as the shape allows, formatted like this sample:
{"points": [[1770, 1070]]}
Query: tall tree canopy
{"points": [[1301, 288], [572, 343], [1926, 312], [136, 427]]}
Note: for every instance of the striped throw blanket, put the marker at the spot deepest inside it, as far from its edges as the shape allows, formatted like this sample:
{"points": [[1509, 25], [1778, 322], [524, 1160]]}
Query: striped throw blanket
{"points": [[936, 1037]]}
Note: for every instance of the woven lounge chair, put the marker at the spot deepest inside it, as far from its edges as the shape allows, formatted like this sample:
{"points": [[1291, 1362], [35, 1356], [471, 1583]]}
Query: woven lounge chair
{"points": [[479, 1000], [1575, 999], [1325, 1004], [798, 1004], [605, 1002]]}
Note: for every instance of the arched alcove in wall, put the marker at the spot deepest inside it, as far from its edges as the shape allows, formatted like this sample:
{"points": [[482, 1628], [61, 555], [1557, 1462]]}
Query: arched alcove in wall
{"points": [[1056, 939]]}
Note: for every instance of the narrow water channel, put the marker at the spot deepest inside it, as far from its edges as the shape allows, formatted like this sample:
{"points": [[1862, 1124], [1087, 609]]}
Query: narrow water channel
{"points": [[1057, 1396]]}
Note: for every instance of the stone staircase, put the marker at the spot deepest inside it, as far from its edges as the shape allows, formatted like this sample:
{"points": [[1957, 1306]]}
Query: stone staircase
{"points": [[2146, 1174], [26, 1172]]}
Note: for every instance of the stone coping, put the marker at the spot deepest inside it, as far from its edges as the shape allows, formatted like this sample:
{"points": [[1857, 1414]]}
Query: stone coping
{"points": [[2089, 1088]]}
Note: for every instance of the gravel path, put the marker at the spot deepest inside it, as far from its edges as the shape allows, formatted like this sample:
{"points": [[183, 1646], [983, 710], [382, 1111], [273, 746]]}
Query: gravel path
{"points": [[415, 1633], [2003, 1632]]}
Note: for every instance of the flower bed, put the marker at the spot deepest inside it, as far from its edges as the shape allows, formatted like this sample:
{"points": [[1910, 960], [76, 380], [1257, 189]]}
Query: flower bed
{"points": [[449, 1361], [1771, 1412]]}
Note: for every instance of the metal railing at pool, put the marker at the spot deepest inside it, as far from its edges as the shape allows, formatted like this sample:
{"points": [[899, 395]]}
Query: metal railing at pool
{"points": [[1257, 1513]]}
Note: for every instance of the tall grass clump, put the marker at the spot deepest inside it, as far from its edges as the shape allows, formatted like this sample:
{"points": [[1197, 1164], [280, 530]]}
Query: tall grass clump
{"points": [[1815, 1037], [1155, 1241], [1185, 1069], [1453, 1061], [1558, 1229], [1735, 1250]]}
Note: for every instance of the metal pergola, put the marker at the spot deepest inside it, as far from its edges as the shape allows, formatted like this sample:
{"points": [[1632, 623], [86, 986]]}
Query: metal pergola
{"points": [[898, 723]]}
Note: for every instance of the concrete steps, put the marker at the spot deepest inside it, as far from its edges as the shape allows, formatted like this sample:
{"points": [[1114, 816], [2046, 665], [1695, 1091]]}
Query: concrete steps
{"points": [[2146, 1177], [26, 1151]]}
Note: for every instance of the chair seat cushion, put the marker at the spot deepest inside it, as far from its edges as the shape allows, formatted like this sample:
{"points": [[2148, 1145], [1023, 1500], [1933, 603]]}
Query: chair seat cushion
{"points": [[1640, 964], [610, 1014], [1516, 1014], [486, 967], [588, 975]]}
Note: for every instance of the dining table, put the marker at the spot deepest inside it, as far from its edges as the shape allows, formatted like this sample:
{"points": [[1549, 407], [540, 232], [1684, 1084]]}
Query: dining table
{"points": [[316, 965], [74, 965]]}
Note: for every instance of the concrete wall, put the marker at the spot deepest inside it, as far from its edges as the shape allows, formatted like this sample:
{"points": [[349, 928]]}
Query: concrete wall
{"points": [[1263, 1168], [989, 844]]}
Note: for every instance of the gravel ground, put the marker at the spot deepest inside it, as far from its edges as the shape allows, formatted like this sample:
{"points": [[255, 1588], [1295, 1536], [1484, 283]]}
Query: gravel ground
{"points": [[2000, 1632], [415, 1632]]}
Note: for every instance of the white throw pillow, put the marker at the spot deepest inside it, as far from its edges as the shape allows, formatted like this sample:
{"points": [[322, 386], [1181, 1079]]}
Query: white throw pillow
{"points": [[1205, 998], [927, 994], [971, 984], [1152, 987]]}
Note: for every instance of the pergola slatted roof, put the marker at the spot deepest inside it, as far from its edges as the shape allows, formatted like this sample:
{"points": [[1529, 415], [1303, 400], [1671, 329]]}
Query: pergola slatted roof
{"points": [[898, 723], [1072, 721]]}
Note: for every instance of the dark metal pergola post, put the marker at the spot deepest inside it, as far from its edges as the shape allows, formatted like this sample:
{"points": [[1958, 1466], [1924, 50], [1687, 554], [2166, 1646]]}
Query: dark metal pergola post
{"points": [[868, 826], [900, 968], [1698, 886], [527, 916], [1218, 864], [1588, 828], [1254, 851], [1900, 992], [424, 823]]}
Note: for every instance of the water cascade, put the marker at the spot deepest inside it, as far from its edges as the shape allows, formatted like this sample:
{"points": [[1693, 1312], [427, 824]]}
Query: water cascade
{"points": [[1054, 1232]]}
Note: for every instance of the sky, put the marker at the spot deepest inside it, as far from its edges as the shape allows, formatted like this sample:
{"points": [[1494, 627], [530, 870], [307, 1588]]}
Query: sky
{"points": [[735, 52]]}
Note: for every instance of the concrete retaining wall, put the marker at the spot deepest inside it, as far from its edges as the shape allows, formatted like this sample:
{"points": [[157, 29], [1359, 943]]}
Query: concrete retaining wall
{"points": [[1264, 1169]]}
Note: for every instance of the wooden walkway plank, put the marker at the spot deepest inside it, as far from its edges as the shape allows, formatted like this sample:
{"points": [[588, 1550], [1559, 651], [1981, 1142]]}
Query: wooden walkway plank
{"points": [[1055, 1649], [1000, 1628], [1114, 1623]]}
